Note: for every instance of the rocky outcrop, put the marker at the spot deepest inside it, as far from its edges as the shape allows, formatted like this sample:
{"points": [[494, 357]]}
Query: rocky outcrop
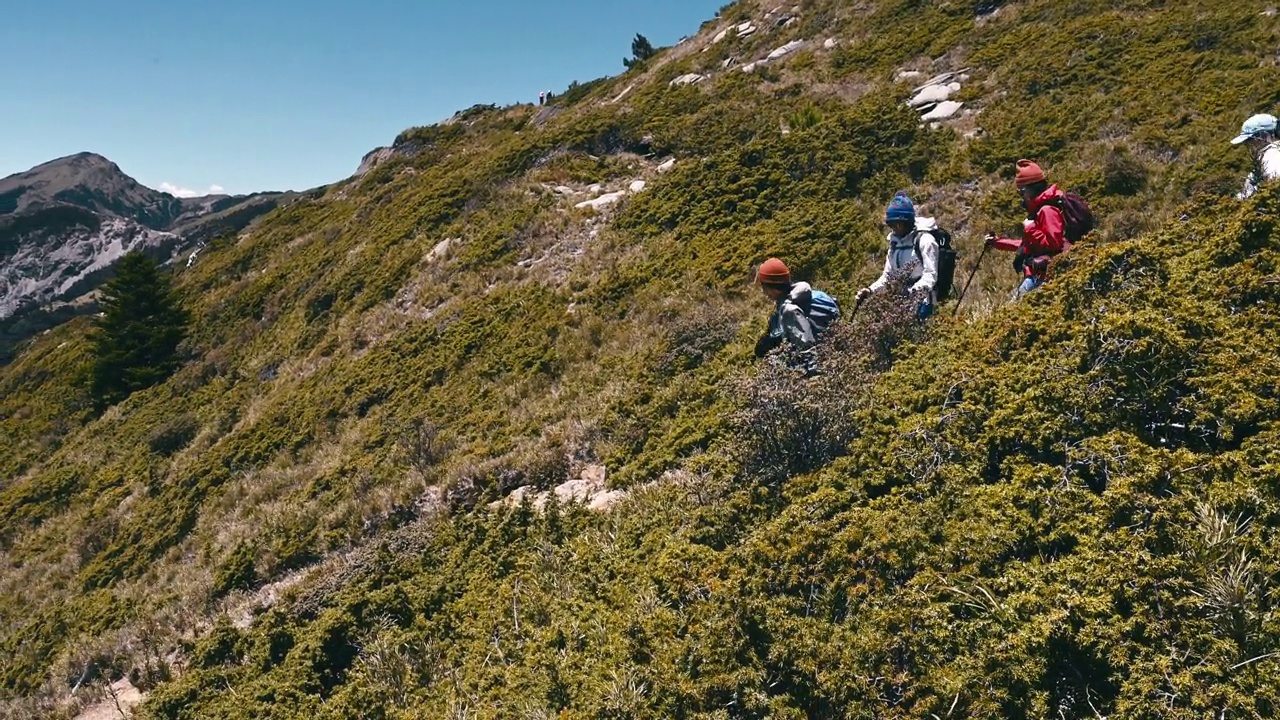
{"points": [[373, 159], [785, 50], [603, 201], [687, 79], [932, 99], [933, 94], [589, 488]]}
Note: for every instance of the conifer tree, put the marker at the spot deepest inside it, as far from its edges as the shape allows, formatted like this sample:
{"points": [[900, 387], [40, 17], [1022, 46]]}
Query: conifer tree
{"points": [[641, 50], [135, 341]]}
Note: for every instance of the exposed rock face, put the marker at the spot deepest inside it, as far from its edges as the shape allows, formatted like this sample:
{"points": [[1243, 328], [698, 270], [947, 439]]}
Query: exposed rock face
{"points": [[373, 159], [57, 262]]}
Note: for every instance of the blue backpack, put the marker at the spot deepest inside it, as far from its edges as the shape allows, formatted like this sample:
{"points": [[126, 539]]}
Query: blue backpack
{"points": [[823, 311]]}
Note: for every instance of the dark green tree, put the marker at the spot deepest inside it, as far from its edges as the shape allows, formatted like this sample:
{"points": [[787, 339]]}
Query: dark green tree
{"points": [[641, 50], [135, 341]]}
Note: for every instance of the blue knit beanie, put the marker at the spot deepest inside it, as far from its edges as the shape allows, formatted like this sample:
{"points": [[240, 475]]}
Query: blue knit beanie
{"points": [[900, 208]]}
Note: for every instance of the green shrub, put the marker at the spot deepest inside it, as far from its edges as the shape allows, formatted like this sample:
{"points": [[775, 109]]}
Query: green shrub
{"points": [[1026, 511], [174, 434], [236, 571]]}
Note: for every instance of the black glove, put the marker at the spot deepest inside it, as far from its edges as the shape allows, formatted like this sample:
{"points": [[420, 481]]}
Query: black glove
{"points": [[1019, 259], [765, 344]]}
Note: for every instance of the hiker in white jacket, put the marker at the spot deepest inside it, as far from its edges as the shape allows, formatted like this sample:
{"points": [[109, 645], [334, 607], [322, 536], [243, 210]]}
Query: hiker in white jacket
{"points": [[912, 249], [1259, 132]]}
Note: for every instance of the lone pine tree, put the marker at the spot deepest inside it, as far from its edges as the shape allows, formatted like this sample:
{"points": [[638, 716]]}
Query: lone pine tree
{"points": [[641, 50], [135, 341]]}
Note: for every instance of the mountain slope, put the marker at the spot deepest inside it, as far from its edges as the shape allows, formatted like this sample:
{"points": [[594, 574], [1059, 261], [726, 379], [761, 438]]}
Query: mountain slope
{"points": [[88, 181], [64, 223], [1035, 510]]}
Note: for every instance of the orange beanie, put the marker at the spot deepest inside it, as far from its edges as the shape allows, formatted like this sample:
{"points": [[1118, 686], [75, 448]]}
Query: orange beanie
{"points": [[1029, 173], [773, 272]]}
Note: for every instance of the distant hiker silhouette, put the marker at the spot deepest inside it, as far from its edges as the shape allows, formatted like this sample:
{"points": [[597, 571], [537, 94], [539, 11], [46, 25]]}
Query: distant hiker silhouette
{"points": [[542, 97]]}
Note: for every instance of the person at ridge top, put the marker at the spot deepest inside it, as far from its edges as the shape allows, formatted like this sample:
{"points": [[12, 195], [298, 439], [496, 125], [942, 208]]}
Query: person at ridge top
{"points": [[921, 261], [1259, 134], [1043, 232]]}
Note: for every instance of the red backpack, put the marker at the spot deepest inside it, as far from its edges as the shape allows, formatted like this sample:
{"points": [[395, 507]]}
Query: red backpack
{"points": [[1077, 217]]}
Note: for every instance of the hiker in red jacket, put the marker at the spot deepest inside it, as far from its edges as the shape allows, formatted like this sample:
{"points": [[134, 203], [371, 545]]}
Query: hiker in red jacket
{"points": [[1043, 232]]}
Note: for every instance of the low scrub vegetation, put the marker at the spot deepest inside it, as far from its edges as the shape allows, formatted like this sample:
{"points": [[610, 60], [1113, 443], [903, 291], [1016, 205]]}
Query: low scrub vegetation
{"points": [[1059, 508]]}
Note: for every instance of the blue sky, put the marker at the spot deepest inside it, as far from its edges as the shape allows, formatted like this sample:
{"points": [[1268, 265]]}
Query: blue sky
{"points": [[288, 94]]}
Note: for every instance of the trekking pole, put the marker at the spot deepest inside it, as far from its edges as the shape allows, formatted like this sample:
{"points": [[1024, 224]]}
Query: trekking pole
{"points": [[985, 248]]}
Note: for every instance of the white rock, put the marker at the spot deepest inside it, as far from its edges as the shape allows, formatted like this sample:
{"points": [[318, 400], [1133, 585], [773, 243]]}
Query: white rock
{"points": [[564, 190], [938, 79], [594, 188], [666, 166], [748, 30], [785, 49], [623, 94], [729, 62], [637, 186], [577, 489], [603, 201], [687, 79], [953, 86], [930, 94], [944, 110], [719, 36], [749, 67], [743, 27], [605, 500], [517, 496], [907, 75], [595, 473], [440, 249], [830, 43]]}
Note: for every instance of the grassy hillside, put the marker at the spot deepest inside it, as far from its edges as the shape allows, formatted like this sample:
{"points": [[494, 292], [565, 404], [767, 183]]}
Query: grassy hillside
{"points": [[1054, 509]]}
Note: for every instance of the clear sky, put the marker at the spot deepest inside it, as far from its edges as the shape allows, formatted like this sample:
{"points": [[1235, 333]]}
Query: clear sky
{"points": [[250, 95]]}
